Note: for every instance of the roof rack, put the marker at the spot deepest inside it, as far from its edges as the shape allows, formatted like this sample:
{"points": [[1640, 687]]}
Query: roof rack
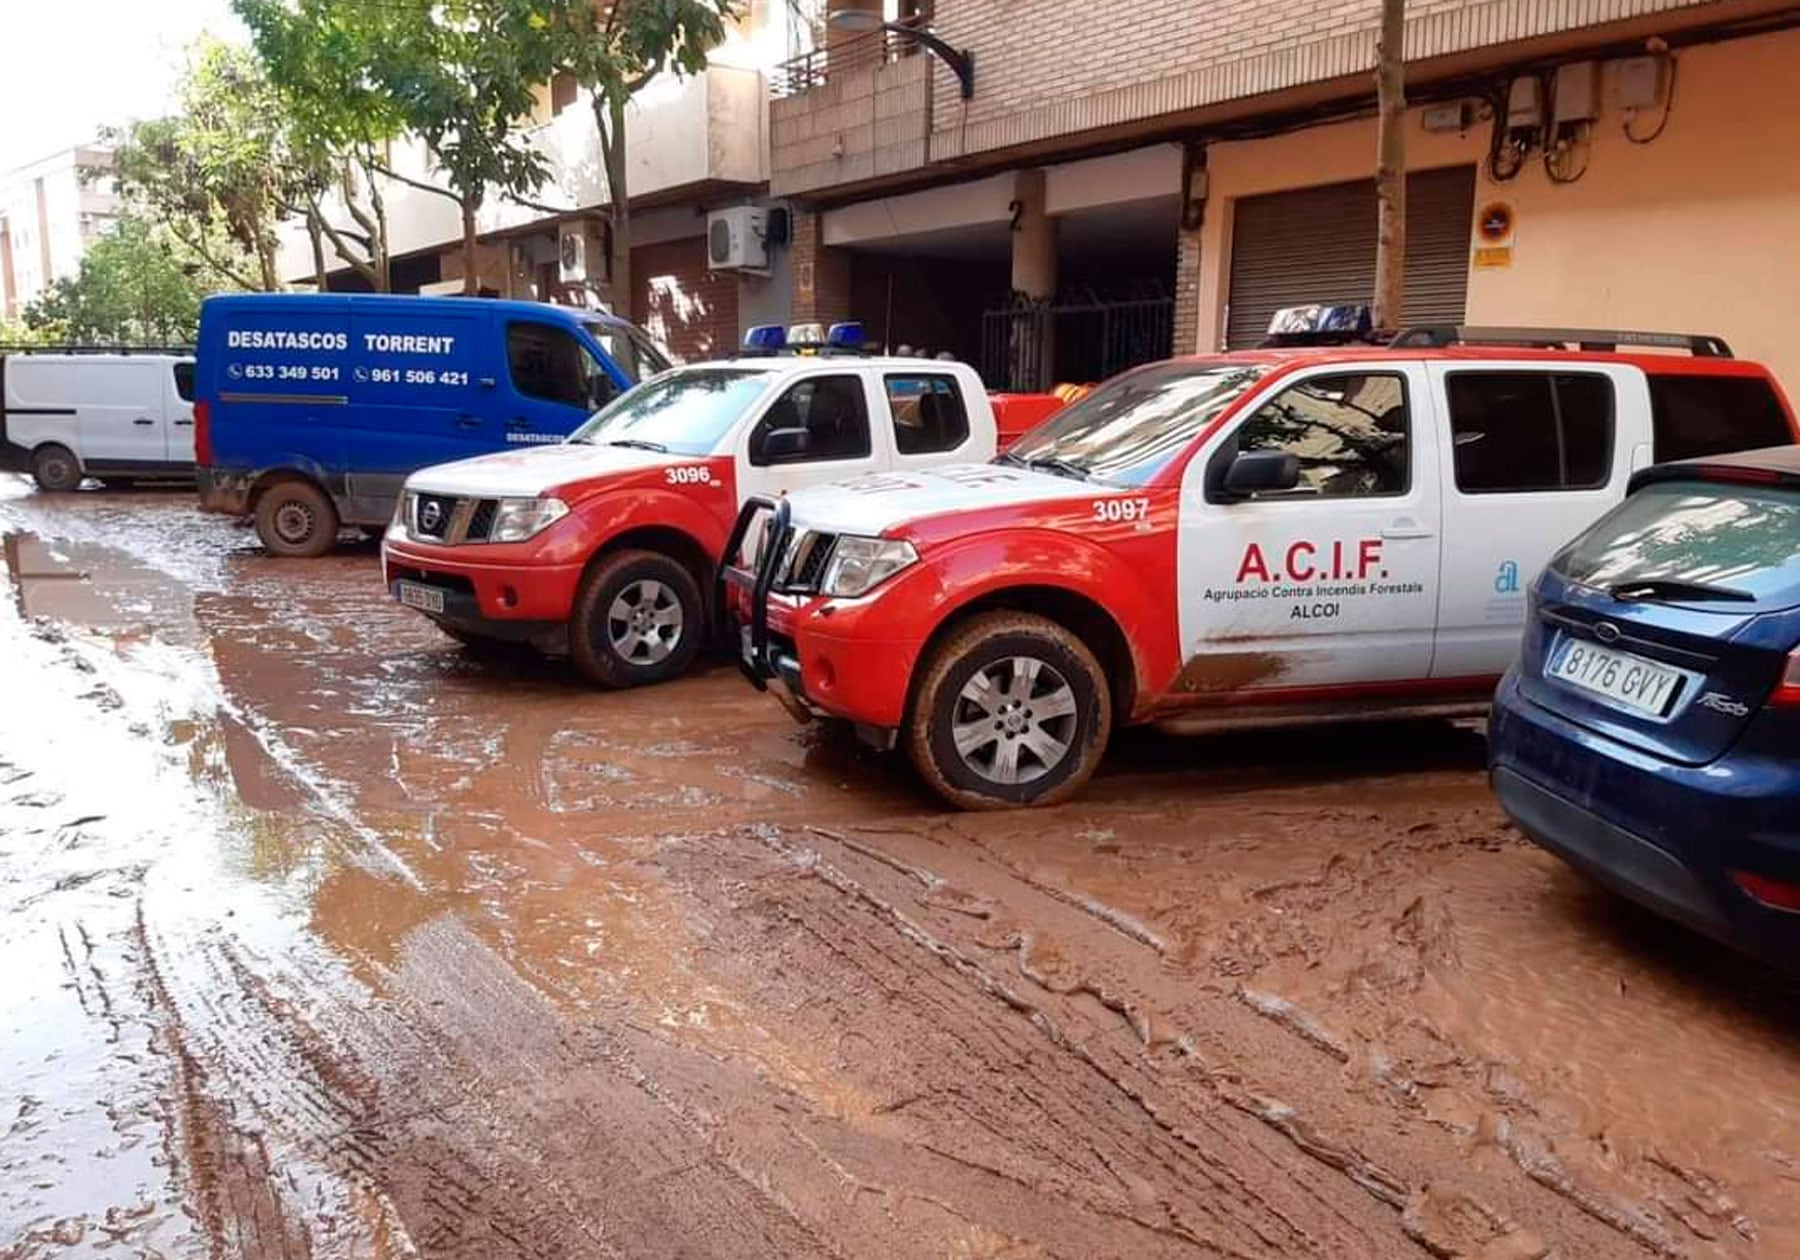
{"points": [[32, 348], [1700, 345]]}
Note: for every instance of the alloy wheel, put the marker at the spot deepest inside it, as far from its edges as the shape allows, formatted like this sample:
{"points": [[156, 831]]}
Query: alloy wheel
{"points": [[1015, 720], [644, 623]]}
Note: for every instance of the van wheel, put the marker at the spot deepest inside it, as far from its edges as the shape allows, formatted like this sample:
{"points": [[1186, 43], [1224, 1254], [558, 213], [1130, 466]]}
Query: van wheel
{"points": [[1012, 709], [638, 619], [296, 518], [55, 468]]}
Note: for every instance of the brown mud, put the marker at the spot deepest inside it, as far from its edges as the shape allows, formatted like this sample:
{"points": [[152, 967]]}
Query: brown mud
{"points": [[325, 938]]}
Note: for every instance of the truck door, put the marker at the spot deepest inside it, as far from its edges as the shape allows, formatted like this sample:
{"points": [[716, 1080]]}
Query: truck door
{"points": [[928, 415], [121, 425], [178, 406], [1332, 584], [816, 430], [554, 382], [1531, 454]]}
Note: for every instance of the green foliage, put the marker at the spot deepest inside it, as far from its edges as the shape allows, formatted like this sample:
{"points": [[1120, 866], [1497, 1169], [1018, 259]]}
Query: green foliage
{"points": [[217, 173], [614, 49], [136, 286]]}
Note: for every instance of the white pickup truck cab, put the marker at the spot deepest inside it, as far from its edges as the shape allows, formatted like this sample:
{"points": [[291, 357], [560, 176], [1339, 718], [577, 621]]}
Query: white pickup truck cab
{"points": [[115, 416]]}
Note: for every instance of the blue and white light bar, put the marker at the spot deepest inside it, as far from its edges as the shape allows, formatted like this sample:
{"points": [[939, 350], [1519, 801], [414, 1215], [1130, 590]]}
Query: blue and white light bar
{"points": [[765, 339]]}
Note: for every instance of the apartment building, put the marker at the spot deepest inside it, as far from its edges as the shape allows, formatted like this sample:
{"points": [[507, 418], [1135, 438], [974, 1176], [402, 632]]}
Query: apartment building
{"points": [[696, 147], [1126, 179], [50, 211]]}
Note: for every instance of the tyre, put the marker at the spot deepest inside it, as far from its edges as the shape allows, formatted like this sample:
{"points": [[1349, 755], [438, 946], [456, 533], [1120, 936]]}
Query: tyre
{"points": [[1012, 709], [55, 468], [639, 618], [296, 518]]}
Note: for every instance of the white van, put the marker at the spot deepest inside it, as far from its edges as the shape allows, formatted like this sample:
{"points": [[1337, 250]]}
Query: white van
{"points": [[117, 416]]}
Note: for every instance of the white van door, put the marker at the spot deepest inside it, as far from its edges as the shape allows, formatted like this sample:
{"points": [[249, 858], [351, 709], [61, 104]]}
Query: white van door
{"points": [[178, 407], [1532, 454], [1330, 586], [120, 408]]}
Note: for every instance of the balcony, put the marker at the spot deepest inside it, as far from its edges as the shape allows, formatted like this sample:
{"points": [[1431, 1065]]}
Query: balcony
{"points": [[855, 110]]}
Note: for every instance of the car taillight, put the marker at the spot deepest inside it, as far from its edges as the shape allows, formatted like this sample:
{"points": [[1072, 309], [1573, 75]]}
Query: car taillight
{"points": [[1787, 691], [203, 453]]}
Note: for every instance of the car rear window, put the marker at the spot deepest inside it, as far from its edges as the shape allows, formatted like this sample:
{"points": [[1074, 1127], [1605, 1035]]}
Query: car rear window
{"points": [[1694, 416], [1521, 431], [1740, 537]]}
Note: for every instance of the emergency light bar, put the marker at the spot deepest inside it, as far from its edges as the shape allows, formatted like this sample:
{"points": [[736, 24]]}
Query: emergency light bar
{"points": [[841, 338], [765, 339]]}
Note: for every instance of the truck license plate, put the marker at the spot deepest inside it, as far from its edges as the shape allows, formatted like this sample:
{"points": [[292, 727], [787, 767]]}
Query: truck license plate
{"points": [[424, 598], [1619, 676]]}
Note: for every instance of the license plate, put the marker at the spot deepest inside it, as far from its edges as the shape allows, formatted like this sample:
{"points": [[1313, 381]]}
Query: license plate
{"points": [[1619, 676], [424, 598]]}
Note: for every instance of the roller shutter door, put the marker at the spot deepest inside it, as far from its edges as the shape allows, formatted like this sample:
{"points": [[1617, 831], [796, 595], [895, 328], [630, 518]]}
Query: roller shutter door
{"points": [[679, 301], [1318, 245]]}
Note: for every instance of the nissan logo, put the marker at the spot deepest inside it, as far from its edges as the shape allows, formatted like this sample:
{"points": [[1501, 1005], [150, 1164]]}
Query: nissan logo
{"points": [[431, 515], [1606, 632]]}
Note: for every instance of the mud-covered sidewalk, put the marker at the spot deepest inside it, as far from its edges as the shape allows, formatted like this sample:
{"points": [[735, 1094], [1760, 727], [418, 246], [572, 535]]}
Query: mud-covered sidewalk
{"points": [[324, 937]]}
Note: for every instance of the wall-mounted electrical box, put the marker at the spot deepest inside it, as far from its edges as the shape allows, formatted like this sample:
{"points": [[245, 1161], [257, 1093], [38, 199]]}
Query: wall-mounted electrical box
{"points": [[1641, 82], [1575, 94], [1525, 103], [1451, 116]]}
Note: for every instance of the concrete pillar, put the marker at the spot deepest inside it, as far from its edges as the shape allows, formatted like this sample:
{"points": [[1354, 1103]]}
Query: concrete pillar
{"points": [[1032, 340]]}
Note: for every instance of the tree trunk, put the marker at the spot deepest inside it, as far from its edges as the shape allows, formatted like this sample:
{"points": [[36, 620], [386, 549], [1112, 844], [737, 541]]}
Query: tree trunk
{"points": [[609, 113], [316, 230], [471, 265], [378, 245], [1390, 167], [265, 260]]}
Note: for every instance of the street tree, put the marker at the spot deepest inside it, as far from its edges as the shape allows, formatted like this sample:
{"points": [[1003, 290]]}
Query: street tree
{"points": [[1390, 166], [337, 123], [215, 173], [613, 48], [136, 286]]}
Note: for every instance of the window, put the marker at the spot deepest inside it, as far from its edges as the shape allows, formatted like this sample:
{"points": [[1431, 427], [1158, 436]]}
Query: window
{"points": [[633, 352], [184, 381], [547, 363], [1694, 416], [826, 415], [687, 412], [1351, 433], [929, 416], [1516, 431]]}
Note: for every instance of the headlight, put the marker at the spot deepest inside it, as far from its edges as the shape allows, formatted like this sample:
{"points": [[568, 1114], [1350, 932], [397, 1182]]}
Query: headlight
{"points": [[858, 565], [518, 519]]}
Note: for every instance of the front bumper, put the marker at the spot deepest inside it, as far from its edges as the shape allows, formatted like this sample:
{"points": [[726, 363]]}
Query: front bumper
{"points": [[224, 491], [500, 587], [1664, 835]]}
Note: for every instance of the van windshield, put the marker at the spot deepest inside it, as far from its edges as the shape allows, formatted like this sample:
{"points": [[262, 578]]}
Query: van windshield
{"points": [[1699, 536], [631, 348], [1126, 431], [686, 412]]}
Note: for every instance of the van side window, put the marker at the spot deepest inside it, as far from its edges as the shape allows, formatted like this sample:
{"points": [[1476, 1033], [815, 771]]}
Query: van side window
{"points": [[928, 412], [184, 381], [1351, 433], [547, 362], [1517, 431], [1692, 416], [826, 416]]}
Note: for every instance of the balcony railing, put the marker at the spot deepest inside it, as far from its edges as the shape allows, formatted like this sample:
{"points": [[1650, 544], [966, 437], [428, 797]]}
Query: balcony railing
{"points": [[844, 56]]}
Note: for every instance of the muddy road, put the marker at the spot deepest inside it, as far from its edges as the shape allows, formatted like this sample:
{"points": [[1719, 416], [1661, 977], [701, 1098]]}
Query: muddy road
{"points": [[324, 937]]}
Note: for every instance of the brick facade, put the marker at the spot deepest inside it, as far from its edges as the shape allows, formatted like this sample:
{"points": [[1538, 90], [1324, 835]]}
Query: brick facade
{"points": [[821, 273], [681, 302]]}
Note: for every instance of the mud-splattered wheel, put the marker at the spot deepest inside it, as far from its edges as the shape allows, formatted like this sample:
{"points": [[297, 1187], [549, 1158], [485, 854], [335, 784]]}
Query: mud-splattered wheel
{"points": [[296, 518], [638, 619], [1012, 709], [55, 468]]}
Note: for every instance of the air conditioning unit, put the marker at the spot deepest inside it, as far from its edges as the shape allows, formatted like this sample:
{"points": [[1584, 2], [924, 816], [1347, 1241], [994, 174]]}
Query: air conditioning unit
{"points": [[737, 239], [572, 248]]}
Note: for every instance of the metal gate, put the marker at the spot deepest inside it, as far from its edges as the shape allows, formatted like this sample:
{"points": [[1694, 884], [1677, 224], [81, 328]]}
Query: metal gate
{"points": [[1318, 245], [1030, 346]]}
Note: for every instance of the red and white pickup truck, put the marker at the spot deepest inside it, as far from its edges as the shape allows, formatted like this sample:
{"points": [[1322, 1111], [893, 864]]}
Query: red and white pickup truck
{"points": [[1263, 537], [606, 546]]}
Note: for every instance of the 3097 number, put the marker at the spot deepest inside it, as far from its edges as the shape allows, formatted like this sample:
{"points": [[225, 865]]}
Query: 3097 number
{"points": [[1113, 510]]}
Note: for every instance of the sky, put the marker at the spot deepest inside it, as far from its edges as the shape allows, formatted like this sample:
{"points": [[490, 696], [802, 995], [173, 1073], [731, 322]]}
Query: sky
{"points": [[68, 67]]}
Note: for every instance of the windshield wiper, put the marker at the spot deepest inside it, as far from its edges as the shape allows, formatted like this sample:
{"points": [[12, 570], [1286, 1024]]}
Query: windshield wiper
{"points": [[1658, 589], [639, 444], [1049, 463]]}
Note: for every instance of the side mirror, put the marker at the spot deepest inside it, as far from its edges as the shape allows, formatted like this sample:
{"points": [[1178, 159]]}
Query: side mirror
{"points": [[782, 446], [1262, 472]]}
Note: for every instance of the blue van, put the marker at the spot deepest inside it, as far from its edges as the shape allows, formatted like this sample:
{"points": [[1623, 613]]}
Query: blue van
{"points": [[311, 409]]}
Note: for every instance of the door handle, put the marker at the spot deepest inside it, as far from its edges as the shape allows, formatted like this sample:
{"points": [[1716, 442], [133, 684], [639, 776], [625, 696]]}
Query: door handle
{"points": [[142, 421], [182, 424], [1406, 530]]}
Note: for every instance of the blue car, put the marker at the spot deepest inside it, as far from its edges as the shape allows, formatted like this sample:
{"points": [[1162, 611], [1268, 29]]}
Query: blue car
{"points": [[311, 409], [1650, 732]]}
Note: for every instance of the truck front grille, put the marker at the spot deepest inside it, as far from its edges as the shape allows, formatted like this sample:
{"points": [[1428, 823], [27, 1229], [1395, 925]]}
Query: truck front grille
{"points": [[807, 557], [446, 518]]}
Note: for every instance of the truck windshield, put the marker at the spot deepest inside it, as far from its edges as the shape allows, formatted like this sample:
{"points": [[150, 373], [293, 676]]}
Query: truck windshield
{"points": [[1123, 433], [1695, 541], [687, 412], [631, 348]]}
